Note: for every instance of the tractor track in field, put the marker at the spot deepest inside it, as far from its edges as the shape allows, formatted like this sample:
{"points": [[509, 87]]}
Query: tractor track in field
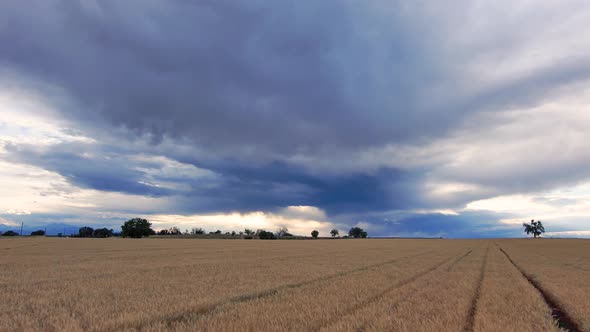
{"points": [[49, 281], [358, 306], [562, 317], [209, 308], [470, 321], [450, 268]]}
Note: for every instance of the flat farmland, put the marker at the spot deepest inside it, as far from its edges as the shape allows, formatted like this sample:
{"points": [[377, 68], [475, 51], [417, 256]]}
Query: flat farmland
{"points": [[63, 284]]}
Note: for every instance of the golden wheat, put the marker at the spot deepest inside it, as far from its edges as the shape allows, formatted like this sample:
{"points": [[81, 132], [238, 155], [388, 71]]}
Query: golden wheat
{"points": [[61, 284]]}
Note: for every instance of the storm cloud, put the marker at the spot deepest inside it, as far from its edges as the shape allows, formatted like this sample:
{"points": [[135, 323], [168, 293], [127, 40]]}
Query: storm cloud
{"points": [[348, 106]]}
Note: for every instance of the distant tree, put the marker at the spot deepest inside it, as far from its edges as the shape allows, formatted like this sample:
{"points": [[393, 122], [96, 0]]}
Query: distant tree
{"points": [[315, 234], [283, 231], [174, 231], [535, 227], [217, 232], [164, 232], [137, 228], [85, 231], [233, 233], [197, 231], [38, 233], [102, 232], [248, 231], [265, 235], [334, 232], [357, 232], [10, 233], [60, 235]]}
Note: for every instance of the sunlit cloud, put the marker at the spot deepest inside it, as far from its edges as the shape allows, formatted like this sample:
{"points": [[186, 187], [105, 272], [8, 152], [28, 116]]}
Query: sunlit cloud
{"points": [[255, 220]]}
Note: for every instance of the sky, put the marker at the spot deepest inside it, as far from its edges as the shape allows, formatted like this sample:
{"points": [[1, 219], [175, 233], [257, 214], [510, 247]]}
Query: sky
{"points": [[406, 118]]}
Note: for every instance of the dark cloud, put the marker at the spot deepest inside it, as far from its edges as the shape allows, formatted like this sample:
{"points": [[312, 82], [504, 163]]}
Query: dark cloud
{"points": [[251, 86], [464, 225], [226, 186], [280, 185], [100, 173], [277, 77]]}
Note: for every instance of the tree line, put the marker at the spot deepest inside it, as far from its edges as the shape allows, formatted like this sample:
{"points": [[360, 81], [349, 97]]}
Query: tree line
{"points": [[139, 227]]}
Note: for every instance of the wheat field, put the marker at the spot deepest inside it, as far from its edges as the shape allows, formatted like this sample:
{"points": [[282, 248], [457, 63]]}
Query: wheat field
{"points": [[63, 284]]}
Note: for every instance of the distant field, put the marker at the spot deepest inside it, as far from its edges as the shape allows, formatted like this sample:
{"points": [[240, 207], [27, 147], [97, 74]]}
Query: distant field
{"points": [[61, 284]]}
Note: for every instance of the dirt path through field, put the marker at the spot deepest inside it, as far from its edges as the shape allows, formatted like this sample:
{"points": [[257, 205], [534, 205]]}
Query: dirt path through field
{"points": [[562, 317], [505, 297], [440, 300], [476, 295], [309, 304]]}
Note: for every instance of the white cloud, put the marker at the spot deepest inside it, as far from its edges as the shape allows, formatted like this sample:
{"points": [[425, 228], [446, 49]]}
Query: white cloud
{"points": [[27, 119], [6, 222], [569, 234]]}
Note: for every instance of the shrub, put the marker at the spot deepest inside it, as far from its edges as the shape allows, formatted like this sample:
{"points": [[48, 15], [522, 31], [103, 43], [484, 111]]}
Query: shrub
{"points": [[38, 233], [315, 234], [10, 233]]}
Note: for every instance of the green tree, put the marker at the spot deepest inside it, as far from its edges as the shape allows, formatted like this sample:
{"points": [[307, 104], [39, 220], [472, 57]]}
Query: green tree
{"points": [[102, 232], [315, 234], [334, 232], [85, 231], [265, 235], [535, 227], [10, 233], [136, 228], [38, 233], [357, 232]]}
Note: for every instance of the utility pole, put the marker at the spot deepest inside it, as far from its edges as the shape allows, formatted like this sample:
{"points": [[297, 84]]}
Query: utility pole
{"points": [[21, 228]]}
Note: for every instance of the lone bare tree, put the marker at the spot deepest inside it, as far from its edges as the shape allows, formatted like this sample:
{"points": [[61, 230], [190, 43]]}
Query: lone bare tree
{"points": [[283, 231], [535, 227]]}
